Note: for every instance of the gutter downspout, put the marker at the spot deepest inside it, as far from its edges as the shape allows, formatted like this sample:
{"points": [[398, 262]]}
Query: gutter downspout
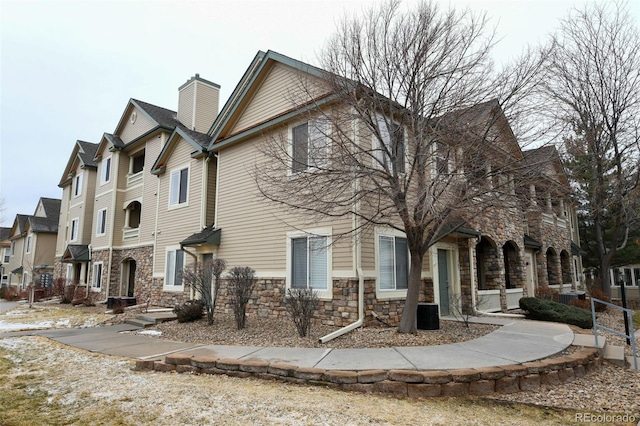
{"points": [[359, 273]]}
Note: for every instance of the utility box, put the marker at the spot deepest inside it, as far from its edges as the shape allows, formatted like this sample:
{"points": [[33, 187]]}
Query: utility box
{"points": [[428, 318], [568, 296]]}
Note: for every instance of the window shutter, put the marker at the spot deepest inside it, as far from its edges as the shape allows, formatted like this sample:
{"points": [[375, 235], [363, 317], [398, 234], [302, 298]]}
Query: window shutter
{"points": [[385, 260], [299, 263], [402, 264], [318, 263], [300, 147]]}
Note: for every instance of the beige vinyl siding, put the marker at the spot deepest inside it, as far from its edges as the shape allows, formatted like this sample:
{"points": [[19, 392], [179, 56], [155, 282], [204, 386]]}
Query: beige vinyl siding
{"points": [[177, 223], [206, 107], [15, 260], [150, 189], [44, 245], [273, 97], [254, 232], [131, 131], [61, 243], [211, 192], [185, 105], [103, 202]]}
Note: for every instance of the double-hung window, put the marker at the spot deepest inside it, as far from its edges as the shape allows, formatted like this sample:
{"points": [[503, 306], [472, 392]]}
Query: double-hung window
{"points": [[97, 276], [101, 222], [310, 145], [77, 185], [74, 230], [309, 263], [390, 145], [393, 263], [7, 254], [179, 187], [105, 174], [175, 264]]}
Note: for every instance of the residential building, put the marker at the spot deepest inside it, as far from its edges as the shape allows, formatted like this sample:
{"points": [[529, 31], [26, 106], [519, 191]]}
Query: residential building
{"points": [[5, 255], [32, 245]]}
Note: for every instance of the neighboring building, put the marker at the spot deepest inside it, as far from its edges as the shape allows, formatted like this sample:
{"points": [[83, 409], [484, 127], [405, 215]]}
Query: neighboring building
{"points": [[5, 255], [167, 189], [629, 275], [134, 212], [33, 240]]}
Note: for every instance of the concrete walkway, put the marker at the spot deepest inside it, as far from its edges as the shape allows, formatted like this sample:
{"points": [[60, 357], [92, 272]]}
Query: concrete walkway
{"points": [[7, 306], [517, 341]]}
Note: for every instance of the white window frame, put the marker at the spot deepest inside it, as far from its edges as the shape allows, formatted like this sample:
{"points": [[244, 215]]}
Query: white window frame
{"points": [[77, 185], [69, 272], [25, 279], [29, 243], [96, 285], [177, 171], [13, 248], [389, 293], [101, 221], [318, 142], [7, 255], [169, 284], [379, 153], [106, 168], [73, 228], [324, 294]]}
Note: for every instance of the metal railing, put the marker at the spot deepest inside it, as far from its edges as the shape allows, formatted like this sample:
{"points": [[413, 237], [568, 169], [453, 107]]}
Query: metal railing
{"points": [[630, 337]]}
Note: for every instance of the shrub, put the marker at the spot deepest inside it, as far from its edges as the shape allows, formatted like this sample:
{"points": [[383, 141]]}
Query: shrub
{"points": [[599, 294], [301, 304], [119, 305], [65, 290], [189, 311], [200, 280], [582, 304], [241, 285], [547, 293], [548, 310], [11, 294]]}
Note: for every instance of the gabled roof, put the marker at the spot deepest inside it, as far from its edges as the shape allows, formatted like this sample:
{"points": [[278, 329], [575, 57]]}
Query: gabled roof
{"points": [[19, 224], [537, 160], [51, 207], [76, 253], [83, 153], [259, 65], [198, 140], [208, 236], [5, 233], [162, 116]]}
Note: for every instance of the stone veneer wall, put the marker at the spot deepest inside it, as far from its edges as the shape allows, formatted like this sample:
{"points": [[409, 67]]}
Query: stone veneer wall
{"points": [[268, 302], [59, 268], [529, 376]]}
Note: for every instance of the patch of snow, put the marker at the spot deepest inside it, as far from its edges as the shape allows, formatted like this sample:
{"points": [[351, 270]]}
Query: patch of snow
{"points": [[150, 332], [5, 326]]}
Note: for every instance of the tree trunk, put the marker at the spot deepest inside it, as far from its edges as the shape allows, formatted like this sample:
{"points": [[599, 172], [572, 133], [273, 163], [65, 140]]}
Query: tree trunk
{"points": [[408, 322]]}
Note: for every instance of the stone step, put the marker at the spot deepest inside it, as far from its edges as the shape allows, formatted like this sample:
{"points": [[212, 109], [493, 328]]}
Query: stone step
{"points": [[615, 355], [139, 322], [589, 341], [157, 317]]}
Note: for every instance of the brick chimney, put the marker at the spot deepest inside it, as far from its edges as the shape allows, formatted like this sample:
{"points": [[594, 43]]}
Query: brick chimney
{"points": [[198, 103]]}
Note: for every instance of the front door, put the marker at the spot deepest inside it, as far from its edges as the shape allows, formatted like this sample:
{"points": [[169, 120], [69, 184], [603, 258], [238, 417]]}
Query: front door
{"points": [[443, 281], [131, 279]]}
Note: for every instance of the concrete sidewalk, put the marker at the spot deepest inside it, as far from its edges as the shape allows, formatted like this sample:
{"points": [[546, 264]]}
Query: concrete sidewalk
{"points": [[514, 343]]}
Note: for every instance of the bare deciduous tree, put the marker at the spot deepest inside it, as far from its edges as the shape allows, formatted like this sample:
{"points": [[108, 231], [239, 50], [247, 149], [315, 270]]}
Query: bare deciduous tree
{"points": [[404, 130], [593, 91], [205, 280]]}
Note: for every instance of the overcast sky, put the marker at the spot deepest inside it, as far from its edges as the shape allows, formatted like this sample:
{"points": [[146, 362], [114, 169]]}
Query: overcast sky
{"points": [[68, 68]]}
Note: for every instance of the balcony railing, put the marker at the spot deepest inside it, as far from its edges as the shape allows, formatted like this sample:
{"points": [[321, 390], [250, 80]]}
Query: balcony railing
{"points": [[130, 233], [134, 179]]}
